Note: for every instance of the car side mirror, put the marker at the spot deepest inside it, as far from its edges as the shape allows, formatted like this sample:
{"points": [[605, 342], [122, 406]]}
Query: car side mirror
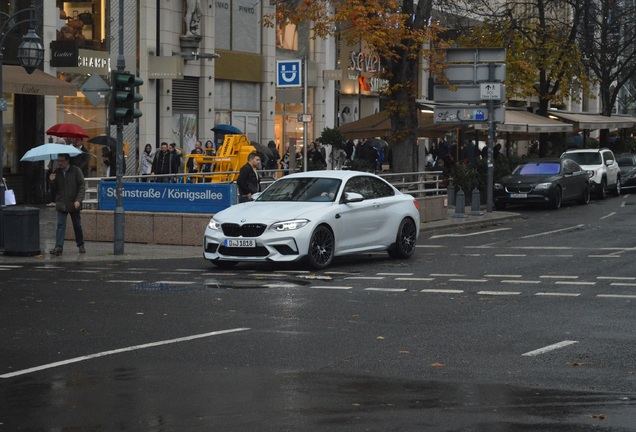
{"points": [[609, 162], [353, 197]]}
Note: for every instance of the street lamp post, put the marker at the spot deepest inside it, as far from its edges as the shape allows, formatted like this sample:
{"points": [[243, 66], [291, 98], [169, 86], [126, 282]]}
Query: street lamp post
{"points": [[30, 54]]}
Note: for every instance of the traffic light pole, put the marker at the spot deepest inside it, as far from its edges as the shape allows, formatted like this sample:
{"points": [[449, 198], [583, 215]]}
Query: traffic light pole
{"points": [[119, 149]]}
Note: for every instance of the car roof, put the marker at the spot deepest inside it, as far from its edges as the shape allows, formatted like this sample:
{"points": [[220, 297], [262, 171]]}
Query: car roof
{"points": [[335, 174], [589, 150]]}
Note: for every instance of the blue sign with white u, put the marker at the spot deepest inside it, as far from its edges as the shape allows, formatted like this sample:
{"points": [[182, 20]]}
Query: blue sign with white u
{"points": [[288, 73]]}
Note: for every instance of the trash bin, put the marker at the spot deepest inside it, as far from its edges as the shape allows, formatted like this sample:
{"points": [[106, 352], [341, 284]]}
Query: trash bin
{"points": [[21, 230]]}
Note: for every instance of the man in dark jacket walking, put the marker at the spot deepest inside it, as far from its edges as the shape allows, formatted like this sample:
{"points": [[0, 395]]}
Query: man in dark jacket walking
{"points": [[248, 182], [69, 187], [162, 164]]}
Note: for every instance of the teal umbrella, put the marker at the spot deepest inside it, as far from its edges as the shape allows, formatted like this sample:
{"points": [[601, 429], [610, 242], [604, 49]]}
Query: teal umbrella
{"points": [[49, 151]]}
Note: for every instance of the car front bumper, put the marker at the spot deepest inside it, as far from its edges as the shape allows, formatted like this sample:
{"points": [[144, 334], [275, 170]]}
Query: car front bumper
{"points": [[275, 247]]}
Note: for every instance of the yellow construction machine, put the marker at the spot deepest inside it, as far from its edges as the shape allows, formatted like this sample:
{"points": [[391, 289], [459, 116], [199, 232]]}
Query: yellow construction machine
{"points": [[225, 165]]}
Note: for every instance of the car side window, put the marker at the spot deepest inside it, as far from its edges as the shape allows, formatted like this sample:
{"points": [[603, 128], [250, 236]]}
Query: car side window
{"points": [[360, 185], [380, 188], [567, 167]]}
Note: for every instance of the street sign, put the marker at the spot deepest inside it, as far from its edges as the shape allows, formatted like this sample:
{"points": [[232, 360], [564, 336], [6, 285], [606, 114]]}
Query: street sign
{"points": [[95, 89], [460, 114], [491, 91], [468, 93], [304, 118], [475, 55], [475, 73], [468, 114], [288, 73]]}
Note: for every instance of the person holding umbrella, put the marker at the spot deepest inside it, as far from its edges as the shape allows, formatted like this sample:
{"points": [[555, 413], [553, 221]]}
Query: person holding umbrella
{"points": [[69, 187]]}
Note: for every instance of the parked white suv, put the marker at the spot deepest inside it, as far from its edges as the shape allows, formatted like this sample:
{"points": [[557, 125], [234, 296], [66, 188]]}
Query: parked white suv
{"points": [[601, 165]]}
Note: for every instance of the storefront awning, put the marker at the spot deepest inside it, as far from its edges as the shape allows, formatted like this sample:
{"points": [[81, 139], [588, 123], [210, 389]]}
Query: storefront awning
{"points": [[595, 121], [16, 80], [521, 121], [379, 125]]}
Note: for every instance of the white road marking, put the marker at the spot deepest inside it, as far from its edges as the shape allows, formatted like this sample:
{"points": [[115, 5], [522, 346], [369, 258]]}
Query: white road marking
{"points": [[394, 274], [331, 287], [603, 256], [558, 277], [574, 283], [468, 280], [414, 279], [281, 285], [521, 281], [446, 275], [498, 293], [429, 246], [609, 215], [625, 284], [557, 256], [187, 270], [549, 348], [557, 294], [118, 351], [469, 234], [554, 231], [124, 281], [615, 278], [616, 296], [6, 266], [511, 255], [503, 276], [365, 277], [442, 291], [387, 289]]}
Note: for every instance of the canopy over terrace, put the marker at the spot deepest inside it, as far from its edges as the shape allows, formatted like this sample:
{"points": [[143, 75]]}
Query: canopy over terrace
{"points": [[520, 123], [379, 125], [588, 121], [525, 123]]}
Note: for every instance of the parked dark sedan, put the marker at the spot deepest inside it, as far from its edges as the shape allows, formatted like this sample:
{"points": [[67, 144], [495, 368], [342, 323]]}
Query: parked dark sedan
{"points": [[543, 181], [627, 164]]}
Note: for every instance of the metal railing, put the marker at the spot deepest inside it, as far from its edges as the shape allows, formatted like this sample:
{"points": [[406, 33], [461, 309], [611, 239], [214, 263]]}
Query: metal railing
{"points": [[418, 184]]}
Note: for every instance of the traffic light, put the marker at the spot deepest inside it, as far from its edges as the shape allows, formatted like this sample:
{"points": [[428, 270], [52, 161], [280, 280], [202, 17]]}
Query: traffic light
{"points": [[124, 96]]}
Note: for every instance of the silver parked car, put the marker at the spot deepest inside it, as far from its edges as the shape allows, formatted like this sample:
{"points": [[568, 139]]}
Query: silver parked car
{"points": [[315, 216]]}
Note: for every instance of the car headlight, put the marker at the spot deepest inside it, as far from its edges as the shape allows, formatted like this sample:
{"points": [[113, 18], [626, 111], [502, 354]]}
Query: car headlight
{"points": [[542, 186], [214, 225], [289, 225], [591, 173]]}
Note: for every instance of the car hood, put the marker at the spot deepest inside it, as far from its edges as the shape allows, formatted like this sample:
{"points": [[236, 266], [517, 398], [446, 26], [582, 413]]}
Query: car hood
{"points": [[528, 179], [269, 212], [628, 170]]}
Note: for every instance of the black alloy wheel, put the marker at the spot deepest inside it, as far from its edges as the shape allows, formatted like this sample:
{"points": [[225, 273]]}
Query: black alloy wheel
{"points": [[321, 248], [557, 197], [405, 240]]}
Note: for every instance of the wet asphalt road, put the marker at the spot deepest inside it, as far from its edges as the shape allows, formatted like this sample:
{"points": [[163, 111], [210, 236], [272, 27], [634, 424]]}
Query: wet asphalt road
{"points": [[437, 343]]}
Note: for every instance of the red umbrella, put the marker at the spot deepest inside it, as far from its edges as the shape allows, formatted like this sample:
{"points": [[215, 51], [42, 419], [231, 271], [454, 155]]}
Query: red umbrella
{"points": [[67, 130]]}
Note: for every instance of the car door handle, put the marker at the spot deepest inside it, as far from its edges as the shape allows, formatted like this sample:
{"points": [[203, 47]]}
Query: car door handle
{"points": [[337, 215]]}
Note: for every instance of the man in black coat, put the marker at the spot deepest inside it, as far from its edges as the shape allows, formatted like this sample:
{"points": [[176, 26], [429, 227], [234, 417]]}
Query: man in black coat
{"points": [[248, 181]]}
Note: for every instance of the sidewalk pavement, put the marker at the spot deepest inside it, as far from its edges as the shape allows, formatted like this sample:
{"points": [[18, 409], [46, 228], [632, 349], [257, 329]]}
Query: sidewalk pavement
{"points": [[104, 251]]}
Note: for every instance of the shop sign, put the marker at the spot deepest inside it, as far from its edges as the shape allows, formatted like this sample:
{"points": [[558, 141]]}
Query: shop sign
{"points": [[64, 53], [90, 62]]}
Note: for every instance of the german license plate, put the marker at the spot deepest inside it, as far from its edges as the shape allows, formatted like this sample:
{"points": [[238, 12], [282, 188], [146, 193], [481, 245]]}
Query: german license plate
{"points": [[240, 243], [518, 195]]}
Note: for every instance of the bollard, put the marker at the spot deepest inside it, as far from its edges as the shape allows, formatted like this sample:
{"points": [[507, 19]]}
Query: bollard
{"points": [[450, 193], [475, 203], [460, 204]]}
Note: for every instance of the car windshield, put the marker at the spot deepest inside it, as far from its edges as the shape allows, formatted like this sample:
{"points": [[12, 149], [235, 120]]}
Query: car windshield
{"points": [[538, 168], [302, 189], [591, 158], [625, 161]]}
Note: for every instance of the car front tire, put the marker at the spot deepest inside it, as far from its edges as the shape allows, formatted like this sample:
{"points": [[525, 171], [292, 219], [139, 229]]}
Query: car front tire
{"points": [[321, 248], [557, 197], [602, 193], [585, 195], [617, 189], [404, 245]]}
